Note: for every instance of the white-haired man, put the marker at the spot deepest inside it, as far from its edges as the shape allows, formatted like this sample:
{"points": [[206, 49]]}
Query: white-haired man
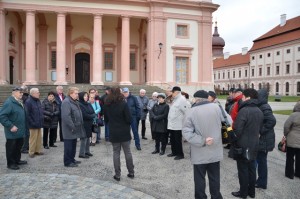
{"points": [[143, 102]]}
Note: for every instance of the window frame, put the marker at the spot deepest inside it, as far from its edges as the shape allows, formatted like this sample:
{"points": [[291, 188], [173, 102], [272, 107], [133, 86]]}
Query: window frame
{"points": [[187, 35]]}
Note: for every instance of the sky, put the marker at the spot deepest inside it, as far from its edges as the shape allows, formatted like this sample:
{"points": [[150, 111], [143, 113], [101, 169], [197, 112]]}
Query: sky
{"points": [[242, 21]]}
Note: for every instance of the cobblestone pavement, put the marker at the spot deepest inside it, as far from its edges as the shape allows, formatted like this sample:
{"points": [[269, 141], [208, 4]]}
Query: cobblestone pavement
{"points": [[155, 176]]}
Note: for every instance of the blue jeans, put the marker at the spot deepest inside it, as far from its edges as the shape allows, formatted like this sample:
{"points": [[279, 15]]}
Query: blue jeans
{"points": [[106, 130], [262, 169], [134, 128]]}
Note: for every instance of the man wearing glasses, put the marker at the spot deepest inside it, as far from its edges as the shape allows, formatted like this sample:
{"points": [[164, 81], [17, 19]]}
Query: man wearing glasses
{"points": [[12, 117]]}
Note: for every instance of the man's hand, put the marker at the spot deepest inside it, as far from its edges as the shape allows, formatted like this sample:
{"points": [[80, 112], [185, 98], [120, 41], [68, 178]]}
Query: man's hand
{"points": [[14, 129], [209, 141]]}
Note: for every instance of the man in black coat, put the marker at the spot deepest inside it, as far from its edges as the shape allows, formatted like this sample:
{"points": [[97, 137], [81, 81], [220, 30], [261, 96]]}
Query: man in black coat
{"points": [[266, 139], [248, 125], [25, 146]]}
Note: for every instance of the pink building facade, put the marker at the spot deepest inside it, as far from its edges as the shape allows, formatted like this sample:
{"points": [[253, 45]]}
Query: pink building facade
{"points": [[154, 42]]}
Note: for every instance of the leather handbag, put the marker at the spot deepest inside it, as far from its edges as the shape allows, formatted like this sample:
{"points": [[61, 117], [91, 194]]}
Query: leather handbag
{"points": [[282, 145]]}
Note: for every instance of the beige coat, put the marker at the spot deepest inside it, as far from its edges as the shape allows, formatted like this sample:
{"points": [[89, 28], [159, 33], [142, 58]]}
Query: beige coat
{"points": [[292, 128]]}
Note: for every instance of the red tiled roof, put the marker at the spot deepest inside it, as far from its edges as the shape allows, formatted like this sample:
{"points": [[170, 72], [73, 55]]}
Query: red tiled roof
{"points": [[232, 60], [278, 35]]}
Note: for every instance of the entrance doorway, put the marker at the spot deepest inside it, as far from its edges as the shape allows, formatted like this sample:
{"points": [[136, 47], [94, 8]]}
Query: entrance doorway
{"points": [[82, 68], [11, 69]]}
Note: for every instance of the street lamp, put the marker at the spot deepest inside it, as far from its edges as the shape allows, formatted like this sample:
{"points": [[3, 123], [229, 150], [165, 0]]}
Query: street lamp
{"points": [[160, 46]]}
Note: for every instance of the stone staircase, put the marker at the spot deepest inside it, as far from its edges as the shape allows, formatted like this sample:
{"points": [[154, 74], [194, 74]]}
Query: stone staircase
{"points": [[6, 90]]}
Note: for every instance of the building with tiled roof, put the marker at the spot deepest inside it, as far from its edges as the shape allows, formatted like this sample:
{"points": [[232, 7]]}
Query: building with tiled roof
{"points": [[273, 62]]}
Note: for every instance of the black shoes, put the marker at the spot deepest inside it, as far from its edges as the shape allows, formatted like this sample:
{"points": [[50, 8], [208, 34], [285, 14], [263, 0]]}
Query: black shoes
{"points": [[117, 178], [171, 155], [227, 146], [178, 158], [77, 162], [260, 187], [21, 162], [46, 147], [130, 175], [162, 153], [13, 167], [53, 145], [71, 165], [138, 148], [84, 156], [155, 151], [144, 138], [238, 194], [88, 154], [24, 151]]}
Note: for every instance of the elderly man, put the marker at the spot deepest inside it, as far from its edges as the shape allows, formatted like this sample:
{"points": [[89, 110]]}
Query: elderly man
{"points": [[12, 117], [59, 97], [35, 121], [178, 107], [201, 129], [135, 113], [143, 102]]}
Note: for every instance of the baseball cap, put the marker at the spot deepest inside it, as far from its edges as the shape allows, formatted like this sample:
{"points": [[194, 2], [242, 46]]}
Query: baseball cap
{"points": [[17, 88], [125, 90]]}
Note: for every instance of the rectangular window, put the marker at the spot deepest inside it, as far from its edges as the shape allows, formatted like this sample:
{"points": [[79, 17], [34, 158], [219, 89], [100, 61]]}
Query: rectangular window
{"points": [[181, 70], [252, 72], [298, 67], [240, 73], [260, 56], [269, 54], [298, 87], [182, 30], [288, 51], [278, 53], [132, 61], [277, 70], [53, 59], [108, 60], [287, 69], [253, 57], [246, 71], [219, 76], [228, 75], [298, 49], [214, 76], [268, 70], [233, 74], [260, 71], [223, 75]]}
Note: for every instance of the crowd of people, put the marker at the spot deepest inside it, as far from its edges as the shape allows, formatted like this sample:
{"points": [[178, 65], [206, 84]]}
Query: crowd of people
{"points": [[30, 123]]}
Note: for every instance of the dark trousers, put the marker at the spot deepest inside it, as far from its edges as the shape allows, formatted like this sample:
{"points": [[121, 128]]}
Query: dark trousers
{"points": [[152, 133], [60, 131], [247, 177], [161, 141], [106, 130], [13, 151], [134, 128], [176, 142], [25, 146], [213, 172], [143, 127], [69, 151], [262, 169], [51, 134], [290, 170]]}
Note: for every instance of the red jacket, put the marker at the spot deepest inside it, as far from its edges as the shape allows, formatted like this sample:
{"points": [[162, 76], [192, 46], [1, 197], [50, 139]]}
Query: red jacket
{"points": [[235, 108]]}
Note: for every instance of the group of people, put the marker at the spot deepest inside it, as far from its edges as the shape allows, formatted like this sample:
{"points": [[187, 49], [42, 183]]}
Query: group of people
{"points": [[171, 115]]}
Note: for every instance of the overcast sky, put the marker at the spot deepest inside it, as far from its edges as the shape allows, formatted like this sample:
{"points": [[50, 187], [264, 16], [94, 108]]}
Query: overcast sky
{"points": [[242, 21]]}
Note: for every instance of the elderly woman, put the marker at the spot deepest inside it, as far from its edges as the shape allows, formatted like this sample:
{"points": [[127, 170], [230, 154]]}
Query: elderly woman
{"points": [[160, 113], [292, 133], [116, 113], [51, 117]]}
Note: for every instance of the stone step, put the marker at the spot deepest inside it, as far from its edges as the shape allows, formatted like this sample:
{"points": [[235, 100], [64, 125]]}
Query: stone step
{"points": [[6, 90]]}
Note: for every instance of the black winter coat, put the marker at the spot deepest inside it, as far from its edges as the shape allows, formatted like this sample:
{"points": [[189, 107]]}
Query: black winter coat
{"points": [[118, 117], [159, 114], [88, 115], [248, 125], [34, 113], [134, 106], [51, 113], [267, 134]]}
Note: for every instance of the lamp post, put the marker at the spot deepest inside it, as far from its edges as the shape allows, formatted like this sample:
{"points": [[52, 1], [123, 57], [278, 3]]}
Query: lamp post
{"points": [[160, 46]]}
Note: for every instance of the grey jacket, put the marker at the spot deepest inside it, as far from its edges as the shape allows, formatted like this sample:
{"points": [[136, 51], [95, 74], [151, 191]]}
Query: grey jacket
{"points": [[71, 118], [177, 112], [292, 128], [143, 102], [204, 120]]}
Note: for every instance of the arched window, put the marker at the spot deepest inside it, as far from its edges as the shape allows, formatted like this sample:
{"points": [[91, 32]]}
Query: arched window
{"points": [[259, 86], [11, 36], [252, 85], [268, 86], [287, 87], [246, 86], [277, 87]]}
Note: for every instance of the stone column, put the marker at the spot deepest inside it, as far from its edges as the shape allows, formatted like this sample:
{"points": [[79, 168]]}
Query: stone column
{"points": [[125, 70], [97, 51], [43, 53], [30, 48], [3, 63], [61, 50]]}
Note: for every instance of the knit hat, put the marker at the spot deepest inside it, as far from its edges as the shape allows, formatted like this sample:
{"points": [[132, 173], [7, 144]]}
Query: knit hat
{"points": [[17, 88], [162, 95], [176, 88], [201, 94], [212, 94]]}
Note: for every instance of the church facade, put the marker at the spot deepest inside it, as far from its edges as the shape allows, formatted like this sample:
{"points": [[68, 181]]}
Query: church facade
{"points": [[154, 42]]}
